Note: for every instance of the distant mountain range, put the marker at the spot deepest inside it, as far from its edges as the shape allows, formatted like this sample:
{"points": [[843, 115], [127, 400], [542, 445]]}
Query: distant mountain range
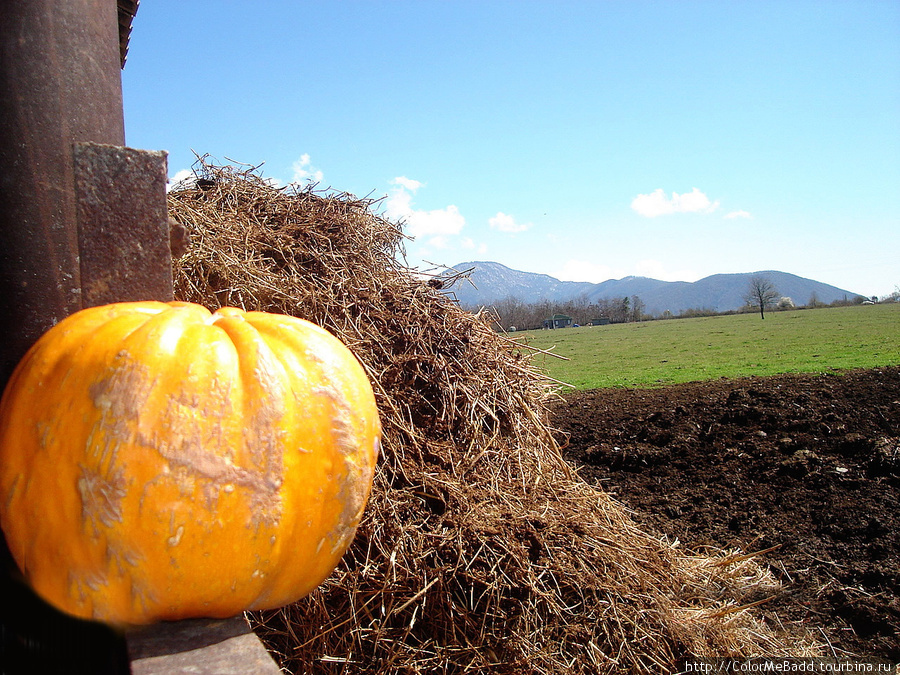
{"points": [[492, 282]]}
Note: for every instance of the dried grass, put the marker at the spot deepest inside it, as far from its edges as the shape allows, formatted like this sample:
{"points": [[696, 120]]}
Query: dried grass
{"points": [[481, 549]]}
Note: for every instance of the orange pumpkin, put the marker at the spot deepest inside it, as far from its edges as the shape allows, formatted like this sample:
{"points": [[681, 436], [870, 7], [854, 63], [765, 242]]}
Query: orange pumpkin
{"points": [[160, 462]]}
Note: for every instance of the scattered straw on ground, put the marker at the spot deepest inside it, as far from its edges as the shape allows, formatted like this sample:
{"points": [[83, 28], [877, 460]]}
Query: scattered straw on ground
{"points": [[481, 549]]}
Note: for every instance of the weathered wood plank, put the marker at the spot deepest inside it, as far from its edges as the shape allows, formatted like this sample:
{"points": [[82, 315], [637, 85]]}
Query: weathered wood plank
{"points": [[199, 647]]}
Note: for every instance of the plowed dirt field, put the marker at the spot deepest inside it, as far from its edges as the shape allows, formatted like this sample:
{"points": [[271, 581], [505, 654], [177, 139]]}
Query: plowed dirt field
{"points": [[808, 465]]}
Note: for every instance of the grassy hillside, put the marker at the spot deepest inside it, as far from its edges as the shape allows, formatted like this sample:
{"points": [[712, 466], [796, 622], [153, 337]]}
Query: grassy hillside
{"points": [[654, 353]]}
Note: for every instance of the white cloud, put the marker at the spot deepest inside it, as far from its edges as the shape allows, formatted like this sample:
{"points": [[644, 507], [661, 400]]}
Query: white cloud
{"points": [[439, 241], [658, 204], [739, 214], [407, 183], [304, 171], [179, 177], [469, 244], [438, 222], [506, 223], [398, 205], [437, 225]]}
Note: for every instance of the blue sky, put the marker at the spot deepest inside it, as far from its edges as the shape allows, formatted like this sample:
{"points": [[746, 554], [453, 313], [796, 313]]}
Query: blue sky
{"points": [[586, 140]]}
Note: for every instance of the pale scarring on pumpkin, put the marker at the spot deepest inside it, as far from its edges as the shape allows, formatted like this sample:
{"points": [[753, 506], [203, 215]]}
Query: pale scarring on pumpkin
{"points": [[354, 488], [101, 497], [198, 451], [102, 485], [264, 440], [119, 398], [353, 492]]}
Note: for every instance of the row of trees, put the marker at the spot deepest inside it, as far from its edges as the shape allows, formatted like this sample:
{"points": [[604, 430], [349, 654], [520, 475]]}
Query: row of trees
{"points": [[513, 314], [761, 295]]}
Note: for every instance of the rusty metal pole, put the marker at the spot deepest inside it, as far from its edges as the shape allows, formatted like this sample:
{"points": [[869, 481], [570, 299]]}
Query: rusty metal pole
{"points": [[82, 222], [60, 83]]}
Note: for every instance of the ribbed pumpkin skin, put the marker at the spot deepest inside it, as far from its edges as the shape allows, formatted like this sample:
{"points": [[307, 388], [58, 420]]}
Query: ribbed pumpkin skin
{"points": [[159, 462]]}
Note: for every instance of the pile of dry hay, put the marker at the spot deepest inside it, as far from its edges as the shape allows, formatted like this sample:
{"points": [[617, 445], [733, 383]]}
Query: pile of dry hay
{"points": [[481, 549]]}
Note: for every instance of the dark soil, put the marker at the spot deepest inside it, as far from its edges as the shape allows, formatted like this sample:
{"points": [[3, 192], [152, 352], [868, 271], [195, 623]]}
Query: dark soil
{"points": [[809, 464]]}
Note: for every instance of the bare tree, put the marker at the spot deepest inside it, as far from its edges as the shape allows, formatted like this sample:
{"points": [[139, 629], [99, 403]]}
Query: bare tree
{"points": [[637, 308], [619, 309], [761, 293]]}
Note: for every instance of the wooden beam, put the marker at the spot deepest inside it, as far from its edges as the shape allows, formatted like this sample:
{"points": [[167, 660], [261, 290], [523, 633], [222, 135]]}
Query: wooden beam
{"points": [[199, 647]]}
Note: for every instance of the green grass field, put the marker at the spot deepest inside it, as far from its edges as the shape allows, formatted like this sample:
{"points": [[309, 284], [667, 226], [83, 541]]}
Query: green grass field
{"points": [[655, 353]]}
